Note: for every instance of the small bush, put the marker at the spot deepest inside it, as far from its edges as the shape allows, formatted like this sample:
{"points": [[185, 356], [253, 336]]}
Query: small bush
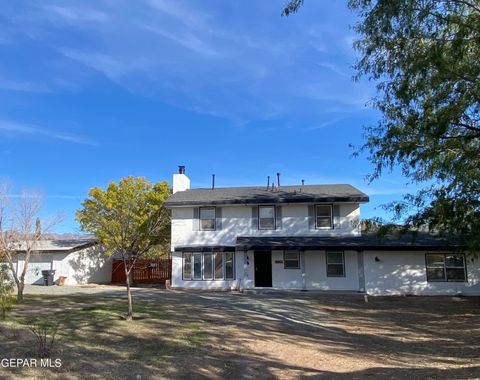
{"points": [[7, 287], [44, 334]]}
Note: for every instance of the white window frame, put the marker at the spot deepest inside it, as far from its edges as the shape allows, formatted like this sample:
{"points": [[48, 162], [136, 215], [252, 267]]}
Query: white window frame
{"points": [[215, 254], [225, 266], [343, 263], [202, 266], [331, 217], [445, 267], [200, 218], [193, 265], [184, 254], [285, 259], [212, 265], [274, 217]]}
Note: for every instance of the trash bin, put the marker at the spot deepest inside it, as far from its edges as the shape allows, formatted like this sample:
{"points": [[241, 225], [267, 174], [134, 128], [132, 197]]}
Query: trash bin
{"points": [[48, 277]]}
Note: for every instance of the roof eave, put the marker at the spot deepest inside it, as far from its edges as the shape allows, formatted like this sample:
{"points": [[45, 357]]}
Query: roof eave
{"points": [[358, 247], [361, 199]]}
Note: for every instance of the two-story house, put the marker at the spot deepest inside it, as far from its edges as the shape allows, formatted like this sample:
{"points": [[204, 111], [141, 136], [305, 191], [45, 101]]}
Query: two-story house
{"points": [[302, 237]]}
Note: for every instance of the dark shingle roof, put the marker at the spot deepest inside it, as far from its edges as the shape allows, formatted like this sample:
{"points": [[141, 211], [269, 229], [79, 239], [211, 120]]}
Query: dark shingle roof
{"points": [[408, 242], [260, 195]]}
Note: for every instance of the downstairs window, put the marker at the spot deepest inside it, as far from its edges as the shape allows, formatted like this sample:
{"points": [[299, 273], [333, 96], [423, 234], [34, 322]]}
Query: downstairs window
{"points": [[209, 266], [442, 267], [291, 260], [335, 264]]}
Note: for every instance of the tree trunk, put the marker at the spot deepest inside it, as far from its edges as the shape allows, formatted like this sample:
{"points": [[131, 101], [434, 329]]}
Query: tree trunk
{"points": [[20, 287], [129, 293]]}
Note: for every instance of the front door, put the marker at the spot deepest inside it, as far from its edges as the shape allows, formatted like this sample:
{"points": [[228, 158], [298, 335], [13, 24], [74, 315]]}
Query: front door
{"points": [[263, 269]]}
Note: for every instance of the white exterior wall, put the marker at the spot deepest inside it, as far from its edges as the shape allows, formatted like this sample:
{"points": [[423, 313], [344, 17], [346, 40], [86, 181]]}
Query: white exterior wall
{"points": [[285, 278], [396, 272], [88, 265], [405, 273], [237, 221], [316, 272]]}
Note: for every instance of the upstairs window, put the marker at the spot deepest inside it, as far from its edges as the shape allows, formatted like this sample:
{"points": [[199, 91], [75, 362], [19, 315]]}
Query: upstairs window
{"points": [[266, 217], [335, 264], [207, 218], [323, 217], [445, 267]]}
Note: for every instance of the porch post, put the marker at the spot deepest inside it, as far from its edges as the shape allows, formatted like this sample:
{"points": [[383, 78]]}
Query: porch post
{"points": [[302, 265], [361, 272], [245, 270]]}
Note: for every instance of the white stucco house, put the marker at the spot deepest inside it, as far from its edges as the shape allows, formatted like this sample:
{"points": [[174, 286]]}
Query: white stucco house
{"points": [[305, 238], [79, 260]]}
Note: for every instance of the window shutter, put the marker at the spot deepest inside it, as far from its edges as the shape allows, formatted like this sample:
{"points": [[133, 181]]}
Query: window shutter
{"points": [[255, 217], [278, 217], [218, 218], [336, 216], [311, 217], [196, 219]]}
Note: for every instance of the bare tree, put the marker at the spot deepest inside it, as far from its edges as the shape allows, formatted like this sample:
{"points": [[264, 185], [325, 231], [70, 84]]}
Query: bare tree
{"points": [[21, 228]]}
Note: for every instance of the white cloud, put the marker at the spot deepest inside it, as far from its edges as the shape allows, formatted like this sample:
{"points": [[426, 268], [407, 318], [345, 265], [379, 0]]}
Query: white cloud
{"points": [[221, 59], [73, 14], [112, 67], [13, 128], [192, 18], [325, 124], [188, 40], [333, 67], [10, 85]]}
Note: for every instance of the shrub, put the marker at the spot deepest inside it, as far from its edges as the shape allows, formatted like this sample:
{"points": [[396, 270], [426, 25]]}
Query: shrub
{"points": [[44, 334], [6, 291]]}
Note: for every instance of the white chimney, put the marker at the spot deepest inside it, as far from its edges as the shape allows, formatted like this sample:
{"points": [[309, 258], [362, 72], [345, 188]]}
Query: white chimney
{"points": [[180, 181]]}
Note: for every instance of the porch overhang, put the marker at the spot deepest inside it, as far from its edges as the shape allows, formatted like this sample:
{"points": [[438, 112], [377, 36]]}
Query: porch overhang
{"points": [[361, 243], [205, 248]]}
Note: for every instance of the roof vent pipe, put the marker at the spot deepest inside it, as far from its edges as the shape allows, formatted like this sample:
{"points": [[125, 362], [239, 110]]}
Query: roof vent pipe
{"points": [[303, 182], [213, 181], [278, 179], [181, 169], [268, 182]]}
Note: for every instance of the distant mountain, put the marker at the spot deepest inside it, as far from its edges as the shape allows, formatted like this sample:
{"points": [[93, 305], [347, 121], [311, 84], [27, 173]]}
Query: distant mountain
{"points": [[66, 236]]}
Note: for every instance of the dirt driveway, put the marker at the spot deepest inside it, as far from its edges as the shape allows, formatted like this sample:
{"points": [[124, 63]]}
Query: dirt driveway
{"points": [[293, 335]]}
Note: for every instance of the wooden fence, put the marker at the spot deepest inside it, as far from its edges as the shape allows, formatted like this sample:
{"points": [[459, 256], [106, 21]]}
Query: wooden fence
{"points": [[144, 271]]}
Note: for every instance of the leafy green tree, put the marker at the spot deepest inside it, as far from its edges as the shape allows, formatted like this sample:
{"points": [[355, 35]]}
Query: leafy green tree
{"points": [[292, 7], [128, 218], [424, 57]]}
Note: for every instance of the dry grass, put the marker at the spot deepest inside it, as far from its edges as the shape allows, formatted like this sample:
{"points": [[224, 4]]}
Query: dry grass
{"points": [[318, 337]]}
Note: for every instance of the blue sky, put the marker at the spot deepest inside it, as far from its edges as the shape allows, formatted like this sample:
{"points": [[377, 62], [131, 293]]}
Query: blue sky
{"points": [[94, 91]]}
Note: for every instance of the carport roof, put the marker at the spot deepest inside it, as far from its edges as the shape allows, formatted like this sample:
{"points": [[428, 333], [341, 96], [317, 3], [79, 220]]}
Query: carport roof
{"points": [[407, 242], [61, 245]]}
